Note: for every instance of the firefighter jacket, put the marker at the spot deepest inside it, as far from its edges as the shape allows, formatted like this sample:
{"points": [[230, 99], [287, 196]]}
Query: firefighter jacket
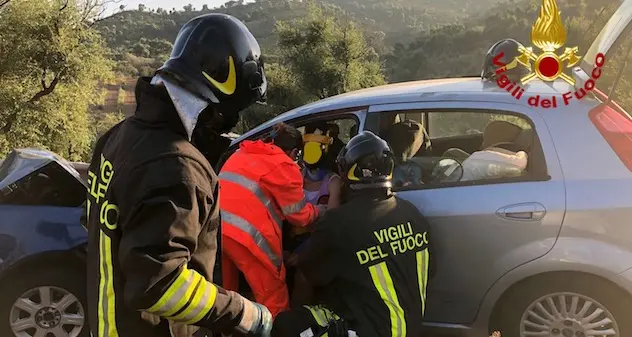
{"points": [[368, 261], [153, 217], [262, 187]]}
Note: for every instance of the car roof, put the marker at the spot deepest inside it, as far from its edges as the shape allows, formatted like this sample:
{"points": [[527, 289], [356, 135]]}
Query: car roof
{"points": [[467, 89]]}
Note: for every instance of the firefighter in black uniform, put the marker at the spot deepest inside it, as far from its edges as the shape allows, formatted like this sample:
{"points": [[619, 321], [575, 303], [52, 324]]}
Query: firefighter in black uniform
{"points": [[368, 260], [152, 206]]}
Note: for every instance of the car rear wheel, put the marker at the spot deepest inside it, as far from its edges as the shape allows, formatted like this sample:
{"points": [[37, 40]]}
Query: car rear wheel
{"points": [[572, 306], [45, 302]]}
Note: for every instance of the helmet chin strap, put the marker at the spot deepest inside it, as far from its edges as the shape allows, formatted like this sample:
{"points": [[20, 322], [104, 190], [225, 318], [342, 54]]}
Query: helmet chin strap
{"points": [[188, 105]]}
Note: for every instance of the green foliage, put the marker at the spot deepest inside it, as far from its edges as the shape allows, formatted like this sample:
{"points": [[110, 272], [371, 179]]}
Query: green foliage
{"points": [[327, 55], [105, 122], [50, 64], [392, 20], [320, 56]]}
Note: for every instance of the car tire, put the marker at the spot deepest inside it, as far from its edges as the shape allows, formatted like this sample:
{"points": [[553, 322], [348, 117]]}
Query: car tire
{"points": [[533, 297], [24, 300]]}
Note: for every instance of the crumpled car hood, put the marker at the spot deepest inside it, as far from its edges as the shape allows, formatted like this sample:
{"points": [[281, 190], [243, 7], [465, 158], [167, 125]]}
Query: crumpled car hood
{"points": [[20, 162]]}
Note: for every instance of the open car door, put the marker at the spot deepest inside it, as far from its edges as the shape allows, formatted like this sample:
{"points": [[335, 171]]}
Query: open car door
{"points": [[613, 43]]}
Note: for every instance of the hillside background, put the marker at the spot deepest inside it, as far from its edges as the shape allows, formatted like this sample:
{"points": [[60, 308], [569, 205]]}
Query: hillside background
{"points": [[385, 41]]}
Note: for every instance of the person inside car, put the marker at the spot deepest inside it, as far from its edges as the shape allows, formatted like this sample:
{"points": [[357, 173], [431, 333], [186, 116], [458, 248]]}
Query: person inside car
{"points": [[337, 144], [322, 186], [152, 207], [368, 259], [405, 139], [262, 187]]}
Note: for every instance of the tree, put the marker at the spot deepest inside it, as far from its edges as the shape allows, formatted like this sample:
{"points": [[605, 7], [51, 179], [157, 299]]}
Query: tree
{"points": [[51, 61], [141, 7], [188, 8], [205, 8], [329, 55]]}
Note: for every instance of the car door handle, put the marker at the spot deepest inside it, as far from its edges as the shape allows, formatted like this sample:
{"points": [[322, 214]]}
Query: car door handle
{"points": [[530, 211]]}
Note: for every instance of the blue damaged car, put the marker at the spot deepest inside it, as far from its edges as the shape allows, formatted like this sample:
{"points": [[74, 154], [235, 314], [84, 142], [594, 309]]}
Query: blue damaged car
{"points": [[42, 246]]}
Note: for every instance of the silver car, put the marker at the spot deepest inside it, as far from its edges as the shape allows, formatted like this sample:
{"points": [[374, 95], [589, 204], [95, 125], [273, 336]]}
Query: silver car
{"points": [[545, 252]]}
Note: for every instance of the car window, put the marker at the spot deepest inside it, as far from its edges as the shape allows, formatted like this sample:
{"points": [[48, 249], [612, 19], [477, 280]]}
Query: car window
{"points": [[466, 123], [416, 116], [347, 128], [347, 123], [468, 147]]}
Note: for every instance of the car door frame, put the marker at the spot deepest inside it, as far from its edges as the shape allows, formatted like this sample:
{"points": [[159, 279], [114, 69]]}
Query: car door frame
{"points": [[359, 112], [553, 168]]}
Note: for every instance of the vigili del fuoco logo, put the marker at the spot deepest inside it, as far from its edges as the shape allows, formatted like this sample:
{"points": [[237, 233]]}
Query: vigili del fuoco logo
{"points": [[549, 35]]}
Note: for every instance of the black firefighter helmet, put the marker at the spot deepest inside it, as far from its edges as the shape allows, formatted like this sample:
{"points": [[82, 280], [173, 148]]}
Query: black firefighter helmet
{"points": [[218, 59], [513, 69], [366, 162]]}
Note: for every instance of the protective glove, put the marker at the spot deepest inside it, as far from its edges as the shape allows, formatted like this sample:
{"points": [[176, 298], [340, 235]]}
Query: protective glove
{"points": [[256, 320], [322, 209]]}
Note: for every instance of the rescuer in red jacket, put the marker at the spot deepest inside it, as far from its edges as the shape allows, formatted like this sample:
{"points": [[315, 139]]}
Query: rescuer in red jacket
{"points": [[261, 186]]}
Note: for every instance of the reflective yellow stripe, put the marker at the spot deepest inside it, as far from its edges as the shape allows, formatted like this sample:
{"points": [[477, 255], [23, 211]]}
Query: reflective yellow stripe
{"points": [[189, 298], [106, 312], [210, 294], [322, 315], [177, 294], [422, 275], [198, 305], [384, 285], [320, 319]]}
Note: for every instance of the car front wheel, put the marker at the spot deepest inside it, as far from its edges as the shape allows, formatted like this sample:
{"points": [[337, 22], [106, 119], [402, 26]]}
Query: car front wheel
{"points": [[47, 302], [566, 305]]}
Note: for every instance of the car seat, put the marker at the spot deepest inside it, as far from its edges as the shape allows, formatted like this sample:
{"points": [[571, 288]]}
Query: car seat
{"points": [[406, 139], [498, 132], [353, 131]]}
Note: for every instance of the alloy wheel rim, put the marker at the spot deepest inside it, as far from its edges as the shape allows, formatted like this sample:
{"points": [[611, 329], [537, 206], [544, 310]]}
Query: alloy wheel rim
{"points": [[568, 315], [47, 312]]}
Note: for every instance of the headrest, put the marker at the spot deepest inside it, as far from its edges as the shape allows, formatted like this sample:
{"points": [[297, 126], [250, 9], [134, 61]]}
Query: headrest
{"points": [[353, 131], [524, 141], [499, 132], [405, 139]]}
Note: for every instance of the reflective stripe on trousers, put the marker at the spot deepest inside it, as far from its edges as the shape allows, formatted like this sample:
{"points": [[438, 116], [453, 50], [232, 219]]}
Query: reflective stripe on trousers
{"points": [[245, 226], [256, 190], [188, 299], [423, 258], [384, 285], [106, 312]]}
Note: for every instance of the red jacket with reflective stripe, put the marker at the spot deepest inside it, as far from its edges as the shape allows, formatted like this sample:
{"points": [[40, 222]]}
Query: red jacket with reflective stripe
{"points": [[260, 187]]}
